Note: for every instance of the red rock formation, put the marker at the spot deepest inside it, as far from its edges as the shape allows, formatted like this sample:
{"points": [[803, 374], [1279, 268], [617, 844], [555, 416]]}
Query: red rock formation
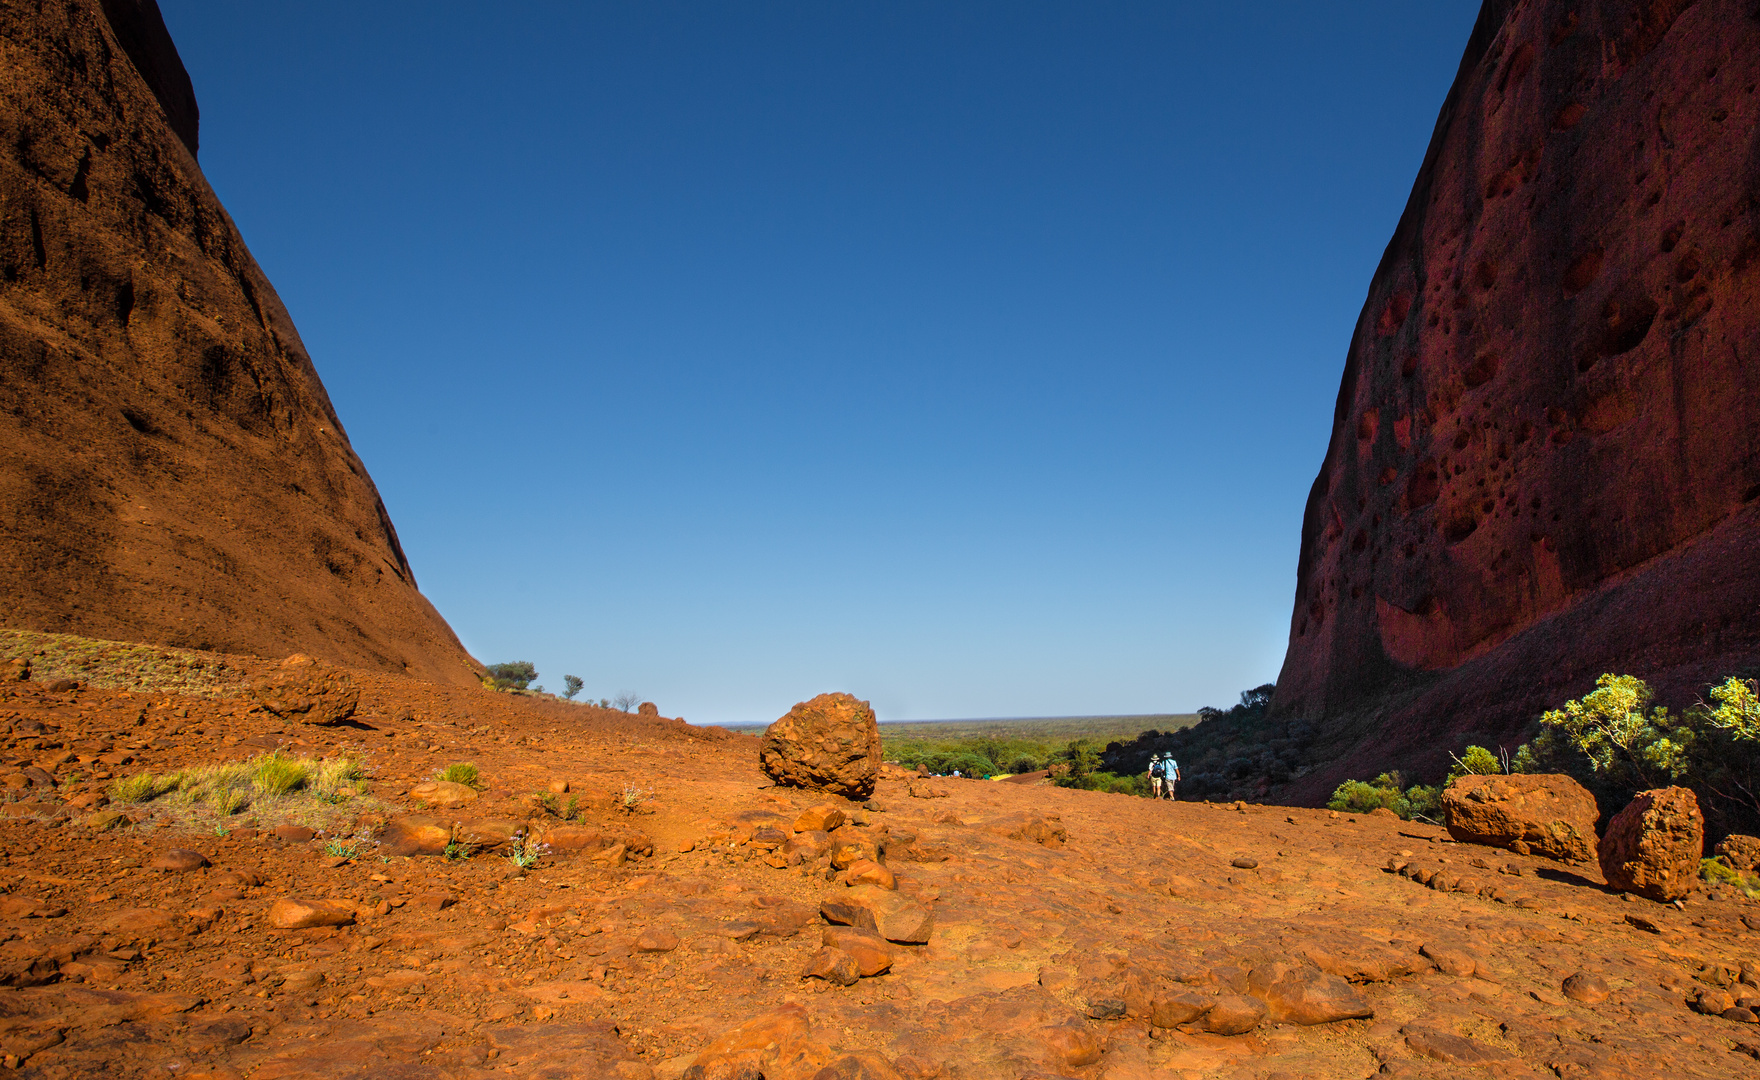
{"points": [[1545, 458], [171, 469]]}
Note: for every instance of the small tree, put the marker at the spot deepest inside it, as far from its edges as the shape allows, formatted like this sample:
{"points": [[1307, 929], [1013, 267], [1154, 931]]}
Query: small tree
{"points": [[627, 700], [572, 685], [1613, 726], [513, 675], [1738, 708]]}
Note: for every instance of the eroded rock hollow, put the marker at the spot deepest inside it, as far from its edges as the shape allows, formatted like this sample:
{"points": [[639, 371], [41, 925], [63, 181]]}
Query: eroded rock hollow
{"points": [[1545, 456], [171, 469]]}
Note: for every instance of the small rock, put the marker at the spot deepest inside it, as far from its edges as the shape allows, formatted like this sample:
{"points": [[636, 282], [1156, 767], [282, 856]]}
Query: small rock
{"points": [[1072, 1044], [862, 1065], [178, 861], [103, 820], [1740, 1015], [1172, 1009], [1233, 1014], [846, 853], [444, 794], [821, 818], [300, 981], [1106, 1009], [435, 901], [559, 787], [414, 835], [1586, 988], [656, 941], [1245, 863], [872, 954], [834, 966], [1453, 1049], [294, 834], [288, 913], [1450, 959], [868, 872]]}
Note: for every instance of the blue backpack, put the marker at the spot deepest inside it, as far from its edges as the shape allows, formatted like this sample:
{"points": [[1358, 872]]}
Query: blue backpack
{"points": [[1156, 769]]}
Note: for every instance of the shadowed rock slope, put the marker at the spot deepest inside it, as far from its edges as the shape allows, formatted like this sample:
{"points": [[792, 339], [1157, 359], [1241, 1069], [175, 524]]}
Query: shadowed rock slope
{"points": [[172, 467], [1545, 455]]}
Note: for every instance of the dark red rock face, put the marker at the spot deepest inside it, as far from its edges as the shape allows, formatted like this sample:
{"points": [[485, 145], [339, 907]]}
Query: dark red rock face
{"points": [[171, 469], [1545, 457]]}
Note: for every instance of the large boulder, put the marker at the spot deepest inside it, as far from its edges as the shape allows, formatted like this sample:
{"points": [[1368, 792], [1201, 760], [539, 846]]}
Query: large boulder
{"points": [[831, 743], [1740, 852], [1549, 814], [307, 690], [1653, 846]]}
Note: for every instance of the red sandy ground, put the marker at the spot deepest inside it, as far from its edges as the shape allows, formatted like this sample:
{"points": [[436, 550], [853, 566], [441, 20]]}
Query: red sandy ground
{"points": [[540, 973]]}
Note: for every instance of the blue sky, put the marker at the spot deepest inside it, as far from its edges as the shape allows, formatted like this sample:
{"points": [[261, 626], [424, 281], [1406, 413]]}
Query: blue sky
{"points": [[972, 358]]}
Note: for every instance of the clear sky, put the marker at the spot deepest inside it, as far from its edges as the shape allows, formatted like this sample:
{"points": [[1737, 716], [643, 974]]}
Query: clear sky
{"points": [[973, 358]]}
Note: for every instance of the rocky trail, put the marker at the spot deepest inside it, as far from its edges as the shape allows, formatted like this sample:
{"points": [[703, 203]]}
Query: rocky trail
{"points": [[666, 929]]}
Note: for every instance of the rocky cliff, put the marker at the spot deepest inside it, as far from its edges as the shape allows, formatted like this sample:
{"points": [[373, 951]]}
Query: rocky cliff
{"points": [[171, 469], [1545, 456]]}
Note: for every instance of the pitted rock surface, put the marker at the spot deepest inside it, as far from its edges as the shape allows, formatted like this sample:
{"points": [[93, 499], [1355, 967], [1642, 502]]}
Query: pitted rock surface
{"points": [[831, 743], [1653, 846], [1529, 480]]}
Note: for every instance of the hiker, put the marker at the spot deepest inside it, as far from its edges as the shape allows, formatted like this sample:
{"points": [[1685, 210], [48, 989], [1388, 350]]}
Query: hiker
{"points": [[1169, 773], [1157, 775]]}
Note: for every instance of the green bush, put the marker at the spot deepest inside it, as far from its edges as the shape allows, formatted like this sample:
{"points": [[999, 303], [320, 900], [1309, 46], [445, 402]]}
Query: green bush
{"points": [[459, 772], [572, 685], [513, 675], [1417, 801]]}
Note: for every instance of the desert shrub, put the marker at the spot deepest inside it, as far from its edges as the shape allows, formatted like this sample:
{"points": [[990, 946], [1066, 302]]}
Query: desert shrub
{"points": [[1025, 763], [1357, 797], [626, 701], [337, 776], [229, 787], [1717, 873], [1476, 761], [1417, 801], [513, 675], [278, 774], [139, 788], [572, 685], [1424, 801], [459, 772]]}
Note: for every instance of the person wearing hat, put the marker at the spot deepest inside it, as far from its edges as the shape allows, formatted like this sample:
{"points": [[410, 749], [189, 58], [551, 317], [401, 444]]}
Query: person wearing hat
{"points": [[1157, 775]]}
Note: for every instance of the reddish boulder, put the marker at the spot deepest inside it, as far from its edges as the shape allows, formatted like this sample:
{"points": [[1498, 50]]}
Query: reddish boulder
{"points": [[1549, 814], [307, 690], [831, 743], [1531, 477], [1653, 846], [1305, 995], [1740, 852]]}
